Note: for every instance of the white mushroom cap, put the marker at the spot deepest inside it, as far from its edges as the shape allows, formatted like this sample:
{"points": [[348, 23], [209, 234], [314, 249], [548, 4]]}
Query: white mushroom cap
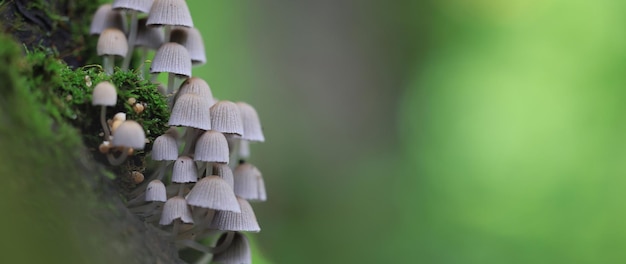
{"points": [[173, 58], [225, 173], [155, 192], [185, 170], [170, 12], [238, 252], [165, 148], [225, 118], [214, 193], [252, 129], [104, 94], [197, 86], [142, 6], [249, 183], [105, 17], [191, 110], [244, 221], [149, 37], [212, 146], [112, 41], [175, 208], [192, 40], [129, 134]]}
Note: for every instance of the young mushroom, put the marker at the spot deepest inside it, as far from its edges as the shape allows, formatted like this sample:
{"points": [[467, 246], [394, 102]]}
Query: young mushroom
{"points": [[112, 42], [128, 136], [104, 94]]}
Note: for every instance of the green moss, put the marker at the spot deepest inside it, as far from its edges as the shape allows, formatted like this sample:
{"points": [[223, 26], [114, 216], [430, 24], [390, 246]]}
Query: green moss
{"points": [[65, 94], [44, 176]]}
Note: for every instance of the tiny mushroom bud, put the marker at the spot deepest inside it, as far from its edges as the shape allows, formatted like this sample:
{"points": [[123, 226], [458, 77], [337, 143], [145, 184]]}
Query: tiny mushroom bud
{"points": [[136, 177]]}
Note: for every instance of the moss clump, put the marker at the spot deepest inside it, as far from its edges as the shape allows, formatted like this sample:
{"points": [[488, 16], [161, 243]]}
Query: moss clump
{"points": [[65, 94]]}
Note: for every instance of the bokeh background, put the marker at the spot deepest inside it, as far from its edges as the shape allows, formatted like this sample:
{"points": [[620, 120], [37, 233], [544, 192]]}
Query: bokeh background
{"points": [[448, 131]]}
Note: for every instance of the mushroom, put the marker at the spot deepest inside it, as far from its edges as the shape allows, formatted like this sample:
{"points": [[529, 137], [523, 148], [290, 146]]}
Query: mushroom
{"points": [[214, 193], [195, 85], [237, 250], [192, 40], [128, 136], [132, 8], [174, 59], [104, 94], [211, 147], [148, 38], [249, 183], [169, 13], [225, 118], [231, 221], [112, 42], [105, 17]]}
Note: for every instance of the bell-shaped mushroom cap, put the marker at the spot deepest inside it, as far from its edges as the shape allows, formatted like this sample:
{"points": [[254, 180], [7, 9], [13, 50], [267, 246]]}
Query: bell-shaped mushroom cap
{"points": [[225, 173], [129, 134], [252, 129], [244, 221], [185, 170], [149, 37], [249, 183], [191, 110], [192, 40], [214, 193], [173, 58], [142, 6], [105, 17], [104, 94], [170, 12], [212, 146], [112, 41], [175, 208], [164, 148], [155, 192], [237, 253], [197, 86], [225, 118]]}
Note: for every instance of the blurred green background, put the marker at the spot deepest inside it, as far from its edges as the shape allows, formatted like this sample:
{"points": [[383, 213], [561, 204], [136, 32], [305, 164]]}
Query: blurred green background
{"points": [[476, 131], [433, 131]]}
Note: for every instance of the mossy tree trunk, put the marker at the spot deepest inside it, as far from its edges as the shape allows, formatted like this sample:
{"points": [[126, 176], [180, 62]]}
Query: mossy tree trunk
{"points": [[57, 205]]}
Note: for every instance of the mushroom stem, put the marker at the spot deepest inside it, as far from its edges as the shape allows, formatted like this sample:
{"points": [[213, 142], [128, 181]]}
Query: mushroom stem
{"points": [[171, 80], [142, 67], [103, 122], [211, 250], [167, 32], [132, 36], [190, 137], [119, 160], [139, 200], [146, 209], [203, 224], [108, 61], [181, 188], [175, 229]]}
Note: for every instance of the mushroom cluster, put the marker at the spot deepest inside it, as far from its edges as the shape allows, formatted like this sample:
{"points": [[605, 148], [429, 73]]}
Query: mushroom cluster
{"points": [[202, 184]]}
